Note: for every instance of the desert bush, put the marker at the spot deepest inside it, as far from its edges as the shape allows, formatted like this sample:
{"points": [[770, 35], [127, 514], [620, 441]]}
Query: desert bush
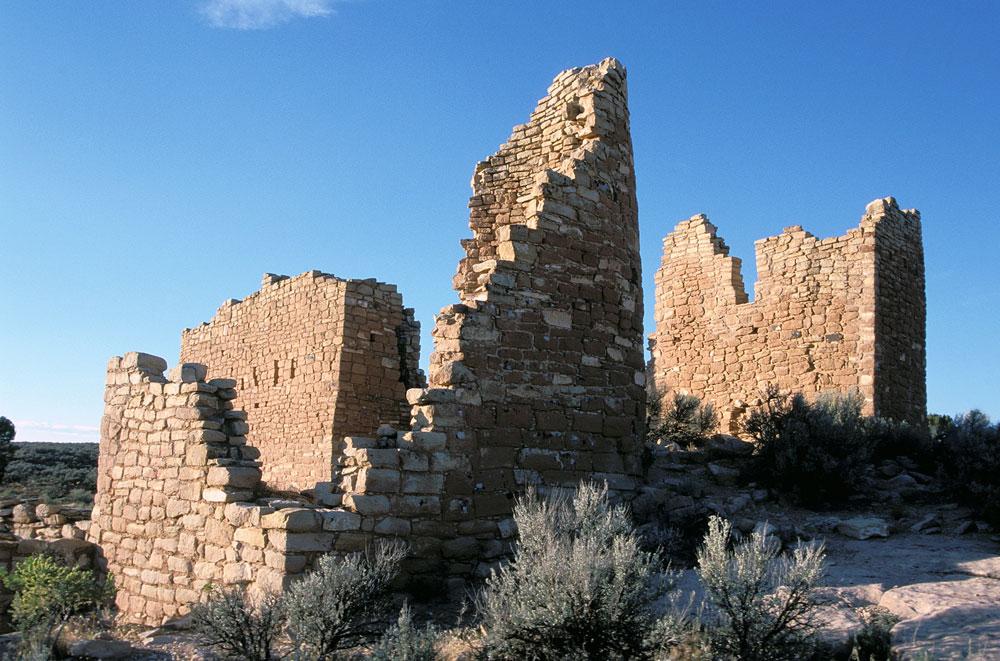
{"points": [[405, 642], [888, 439], [678, 635], [685, 421], [817, 452], [969, 451], [761, 603], [47, 593], [337, 606], [579, 586], [874, 641], [240, 625]]}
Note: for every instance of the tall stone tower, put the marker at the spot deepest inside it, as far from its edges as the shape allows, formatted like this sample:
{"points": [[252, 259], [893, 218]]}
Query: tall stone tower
{"points": [[838, 314]]}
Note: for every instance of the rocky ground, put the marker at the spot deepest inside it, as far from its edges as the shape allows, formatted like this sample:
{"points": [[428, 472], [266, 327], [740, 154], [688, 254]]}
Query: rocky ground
{"points": [[903, 547]]}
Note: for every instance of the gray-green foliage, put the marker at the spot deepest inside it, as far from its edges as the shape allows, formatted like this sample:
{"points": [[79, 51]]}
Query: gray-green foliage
{"points": [[337, 605], [761, 602], [333, 608], [240, 625], [579, 586], [405, 642]]}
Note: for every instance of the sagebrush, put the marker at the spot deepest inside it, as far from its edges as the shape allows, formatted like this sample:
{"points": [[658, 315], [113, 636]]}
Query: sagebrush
{"points": [[761, 602], [579, 586]]}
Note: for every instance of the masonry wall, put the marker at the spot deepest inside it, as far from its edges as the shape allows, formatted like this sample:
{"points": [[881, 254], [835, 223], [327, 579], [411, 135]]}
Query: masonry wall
{"points": [[177, 483], [537, 375], [838, 314], [316, 358]]}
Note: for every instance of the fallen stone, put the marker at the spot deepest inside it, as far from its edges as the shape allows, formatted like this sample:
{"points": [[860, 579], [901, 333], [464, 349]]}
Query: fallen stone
{"points": [[863, 527], [726, 446], [929, 521], [723, 474]]}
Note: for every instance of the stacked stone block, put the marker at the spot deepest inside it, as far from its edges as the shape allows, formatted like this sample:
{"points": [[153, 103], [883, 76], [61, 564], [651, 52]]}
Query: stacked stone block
{"points": [[838, 314], [316, 358], [176, 507]]}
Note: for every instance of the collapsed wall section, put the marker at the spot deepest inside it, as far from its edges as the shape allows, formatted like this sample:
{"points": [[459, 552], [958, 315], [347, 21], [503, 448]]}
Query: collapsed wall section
{"points": [[838, 314], [316, 358], [175, 508]]}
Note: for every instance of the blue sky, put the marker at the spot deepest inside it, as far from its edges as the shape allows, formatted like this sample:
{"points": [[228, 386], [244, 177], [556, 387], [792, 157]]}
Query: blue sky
{"points": [[157, 158]]}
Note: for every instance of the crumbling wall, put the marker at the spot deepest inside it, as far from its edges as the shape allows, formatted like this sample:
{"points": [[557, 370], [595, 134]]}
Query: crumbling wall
{"points": [[537, 374], [837, 314], [175, 508], [316, 358]]}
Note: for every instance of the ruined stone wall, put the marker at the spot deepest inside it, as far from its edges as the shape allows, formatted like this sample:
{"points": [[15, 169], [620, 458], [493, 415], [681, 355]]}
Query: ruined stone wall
{"points": [[175, 508], [537, 374], [838, 314], [316, 358]]}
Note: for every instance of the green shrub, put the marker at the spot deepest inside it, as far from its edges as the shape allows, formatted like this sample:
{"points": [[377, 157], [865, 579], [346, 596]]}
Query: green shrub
{"points": [[685, 421], [969, 451], [874, 641], [579, 586], [761, 602], [337, 606], [7, 448], [889, 439], [239, 625], [47, 593], [817, 452], [404, 642]]}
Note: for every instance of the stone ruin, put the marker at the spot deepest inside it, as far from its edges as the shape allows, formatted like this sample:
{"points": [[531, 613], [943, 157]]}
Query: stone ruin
{"points": [[838, 314], [298, 422], [315, 358]]}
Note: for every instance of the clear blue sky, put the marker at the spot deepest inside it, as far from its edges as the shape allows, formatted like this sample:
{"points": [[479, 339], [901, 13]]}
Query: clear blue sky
{"points": [[157, 158]]}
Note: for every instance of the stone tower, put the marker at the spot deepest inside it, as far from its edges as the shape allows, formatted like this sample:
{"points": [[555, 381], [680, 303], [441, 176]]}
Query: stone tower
{"points": [[838, 314]]}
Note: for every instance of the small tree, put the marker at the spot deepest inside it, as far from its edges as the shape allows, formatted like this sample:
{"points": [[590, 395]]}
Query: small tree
{"points": [[762, 601], [969, 450], [238, 625], [579, 586], [47, 593], [337, 605], [686, 421], [7, 449]]}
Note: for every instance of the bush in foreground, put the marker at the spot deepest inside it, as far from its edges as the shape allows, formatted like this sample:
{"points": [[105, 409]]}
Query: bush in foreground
{"points": [[579, 586], [47, 593], [239, 625], [404, 642], [336, 606], [761, 602], [333, 608]]}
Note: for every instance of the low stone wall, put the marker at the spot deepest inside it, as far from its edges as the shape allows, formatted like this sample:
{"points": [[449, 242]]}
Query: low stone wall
{"points": [[178, 505], [34, 520]]}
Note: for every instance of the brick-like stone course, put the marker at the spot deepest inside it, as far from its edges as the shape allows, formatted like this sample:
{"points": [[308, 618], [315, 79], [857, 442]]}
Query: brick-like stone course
{"points": [[838, 314], [315, 358]]}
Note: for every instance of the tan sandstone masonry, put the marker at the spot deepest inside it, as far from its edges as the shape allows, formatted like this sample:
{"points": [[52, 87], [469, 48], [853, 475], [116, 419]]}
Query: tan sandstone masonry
{"points": [[176, 509], [833, 314], [316, 358], [537, 375]]}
